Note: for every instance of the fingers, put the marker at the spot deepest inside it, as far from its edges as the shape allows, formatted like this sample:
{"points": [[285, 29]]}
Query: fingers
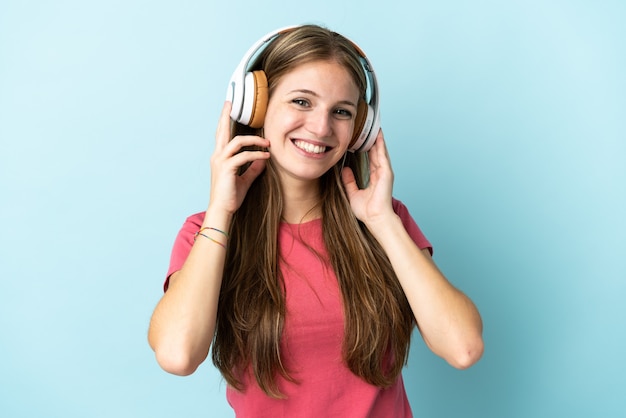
{"points": [[347, 176], [222, 134], [379, 148], [234, 154], [239, 143], [225, 147], [242, 158], [378, 155], [253, 171], [228, 146]]}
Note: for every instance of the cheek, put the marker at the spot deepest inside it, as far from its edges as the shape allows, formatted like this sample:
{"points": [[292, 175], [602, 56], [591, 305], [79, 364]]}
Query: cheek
{"points": [[347, 131], [279, 123]]}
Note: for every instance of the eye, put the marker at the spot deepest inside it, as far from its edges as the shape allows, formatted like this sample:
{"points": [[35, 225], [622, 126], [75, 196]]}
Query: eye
{"points": [[343, 113], [301, 102]]}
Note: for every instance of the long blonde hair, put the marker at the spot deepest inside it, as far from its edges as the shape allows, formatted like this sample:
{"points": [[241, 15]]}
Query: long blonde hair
{"points": [[251, 314]]}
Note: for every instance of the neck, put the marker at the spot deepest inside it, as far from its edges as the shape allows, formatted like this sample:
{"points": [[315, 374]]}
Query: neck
{"points": [[301, 201]]}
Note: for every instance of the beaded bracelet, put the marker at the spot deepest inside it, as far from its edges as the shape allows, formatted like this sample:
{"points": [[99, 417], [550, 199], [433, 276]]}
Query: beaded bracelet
{"points": [[208, 237]]}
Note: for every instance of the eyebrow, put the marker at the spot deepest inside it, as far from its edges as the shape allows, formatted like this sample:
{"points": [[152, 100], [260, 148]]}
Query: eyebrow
{"points": [[312, 93]]}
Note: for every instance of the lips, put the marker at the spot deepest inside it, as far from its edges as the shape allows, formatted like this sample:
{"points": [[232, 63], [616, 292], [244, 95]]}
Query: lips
{"points": [[310, 148]]}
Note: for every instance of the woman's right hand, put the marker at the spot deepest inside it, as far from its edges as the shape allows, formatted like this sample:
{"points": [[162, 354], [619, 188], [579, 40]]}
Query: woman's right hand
{"points": [[228, 188]]}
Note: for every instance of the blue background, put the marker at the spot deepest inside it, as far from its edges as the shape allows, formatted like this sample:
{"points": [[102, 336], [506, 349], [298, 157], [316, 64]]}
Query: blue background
{"points": [[506, 127]]}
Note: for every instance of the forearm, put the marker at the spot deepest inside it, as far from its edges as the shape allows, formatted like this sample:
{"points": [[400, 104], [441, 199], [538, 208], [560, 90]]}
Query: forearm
{"points": [[447, 319], [183, 323]]}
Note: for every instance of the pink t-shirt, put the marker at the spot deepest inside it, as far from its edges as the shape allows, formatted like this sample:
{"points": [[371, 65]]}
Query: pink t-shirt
{"points": [[311, 346]]}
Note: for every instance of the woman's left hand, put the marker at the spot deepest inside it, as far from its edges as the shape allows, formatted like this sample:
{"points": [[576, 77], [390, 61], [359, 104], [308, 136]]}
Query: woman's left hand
{"points": [[372, 204]]}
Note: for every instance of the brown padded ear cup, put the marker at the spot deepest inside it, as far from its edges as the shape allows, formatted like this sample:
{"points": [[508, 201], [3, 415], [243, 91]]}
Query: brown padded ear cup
{"points": [[359, 121], [260, 99]]}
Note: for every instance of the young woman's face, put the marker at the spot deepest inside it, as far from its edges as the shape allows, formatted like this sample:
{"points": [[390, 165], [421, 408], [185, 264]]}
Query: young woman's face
{"points": [[310, 119]]}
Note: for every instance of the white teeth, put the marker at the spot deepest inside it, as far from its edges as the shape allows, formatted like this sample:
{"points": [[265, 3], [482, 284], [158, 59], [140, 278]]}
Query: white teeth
{"points": [[308, 147]]}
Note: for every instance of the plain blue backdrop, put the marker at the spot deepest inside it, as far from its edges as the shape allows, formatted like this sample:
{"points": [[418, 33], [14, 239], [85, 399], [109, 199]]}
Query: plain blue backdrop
{"points": [[506, 127]]}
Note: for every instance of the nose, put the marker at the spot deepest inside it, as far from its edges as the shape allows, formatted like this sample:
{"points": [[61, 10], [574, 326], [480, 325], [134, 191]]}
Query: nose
{"points": [[319, 123]]}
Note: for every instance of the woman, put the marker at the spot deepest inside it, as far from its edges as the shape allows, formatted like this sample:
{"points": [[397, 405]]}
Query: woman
{"points": [[304, 275]]}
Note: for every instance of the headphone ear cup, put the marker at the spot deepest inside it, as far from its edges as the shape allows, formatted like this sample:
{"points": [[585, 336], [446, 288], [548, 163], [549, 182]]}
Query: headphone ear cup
{"points": [[255, 99], [261, 98], [362, 138], [359, 122]]}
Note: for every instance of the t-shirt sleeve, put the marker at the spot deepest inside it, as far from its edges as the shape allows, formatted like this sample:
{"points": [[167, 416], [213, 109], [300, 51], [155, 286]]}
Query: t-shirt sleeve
{"points": [[182, 245], [411, 226]]}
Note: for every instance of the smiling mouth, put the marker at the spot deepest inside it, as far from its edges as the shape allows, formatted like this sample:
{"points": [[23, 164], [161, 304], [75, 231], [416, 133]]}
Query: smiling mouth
{"points": [[310, 148]]}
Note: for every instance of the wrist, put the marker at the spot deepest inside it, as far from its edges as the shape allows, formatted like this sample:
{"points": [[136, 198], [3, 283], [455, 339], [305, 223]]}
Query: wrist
{"points": [[217, 218], [384, 225]]}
